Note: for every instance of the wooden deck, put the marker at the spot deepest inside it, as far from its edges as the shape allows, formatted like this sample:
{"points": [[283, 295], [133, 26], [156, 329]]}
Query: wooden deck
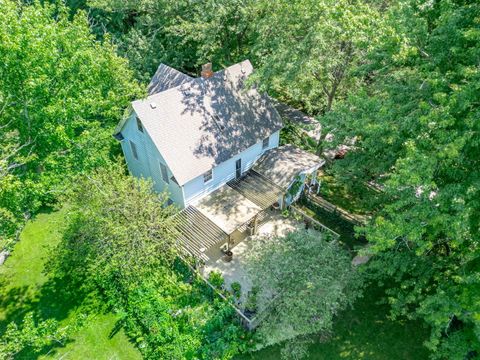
{"points": [[207, 224]]}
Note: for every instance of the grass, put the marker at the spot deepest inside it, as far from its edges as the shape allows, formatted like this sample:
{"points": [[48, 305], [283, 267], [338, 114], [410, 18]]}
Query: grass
{"points": [[360, 202], [26, 286], [363, 332]]}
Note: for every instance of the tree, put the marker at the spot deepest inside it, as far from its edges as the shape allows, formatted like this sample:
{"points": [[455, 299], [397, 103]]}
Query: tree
{"points": [[306, 52], [418, 133], [10, 187], [182, 34], [61, 92], [30, 336], [121, 232], [307, 49], [303, 280]]}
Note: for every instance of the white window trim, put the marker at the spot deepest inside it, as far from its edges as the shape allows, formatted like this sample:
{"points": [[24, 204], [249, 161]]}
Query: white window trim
{"points": [[268, 143], [166, 171], [211, 176], [139, 122], [133, 150]]}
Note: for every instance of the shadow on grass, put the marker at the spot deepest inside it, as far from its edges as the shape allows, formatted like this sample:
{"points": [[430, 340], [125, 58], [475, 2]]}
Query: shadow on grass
{"points": [[334, 222], [56, 299], [30, 284]]}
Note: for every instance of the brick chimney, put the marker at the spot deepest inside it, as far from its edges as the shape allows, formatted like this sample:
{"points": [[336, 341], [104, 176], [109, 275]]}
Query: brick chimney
{"points": [[207, 71]]}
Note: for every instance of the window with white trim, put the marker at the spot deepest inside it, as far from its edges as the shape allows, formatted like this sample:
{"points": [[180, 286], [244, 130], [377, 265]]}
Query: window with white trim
{"points": [[139, 124], [133, 147], [164, 171], [208, 176], [265, 143]]}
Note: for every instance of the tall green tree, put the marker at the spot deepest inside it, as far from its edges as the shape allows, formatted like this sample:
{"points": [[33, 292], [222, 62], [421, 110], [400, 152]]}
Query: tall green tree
{"points": [[121, 231], [417, 128], [182, 34], [61, 92], [306, 50], [303, 281]]}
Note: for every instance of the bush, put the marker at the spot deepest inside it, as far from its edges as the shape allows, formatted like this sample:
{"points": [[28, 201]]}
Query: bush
{"points": [[216, 279], [236, 289]]}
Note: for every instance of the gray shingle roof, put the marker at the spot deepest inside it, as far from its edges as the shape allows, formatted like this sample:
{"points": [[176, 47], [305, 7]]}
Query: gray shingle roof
{"points": [[204, 122], [166, 78], [281, 165], [312, 127]]}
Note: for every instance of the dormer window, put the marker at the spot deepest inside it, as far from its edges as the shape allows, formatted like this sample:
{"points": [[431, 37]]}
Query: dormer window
{"points": [[265, 143], [139, 124], [207, 176]]}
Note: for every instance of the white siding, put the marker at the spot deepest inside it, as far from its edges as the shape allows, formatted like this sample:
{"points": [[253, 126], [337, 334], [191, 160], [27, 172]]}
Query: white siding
{"points": [[195, 188], [148, 163], [149, 158]]}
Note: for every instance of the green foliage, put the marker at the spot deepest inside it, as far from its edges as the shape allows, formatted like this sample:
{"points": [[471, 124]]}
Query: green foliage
{"points": [[236, 289], [120, 241], [29, 334], [216, 279], [183, 34], [61, 91], [27, 285], [303, 281], [418, 132], [120, 231], [306, 50]]}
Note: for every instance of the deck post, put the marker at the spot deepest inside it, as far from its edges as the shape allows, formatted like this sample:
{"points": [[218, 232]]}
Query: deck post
{"points": [[255, 224]]}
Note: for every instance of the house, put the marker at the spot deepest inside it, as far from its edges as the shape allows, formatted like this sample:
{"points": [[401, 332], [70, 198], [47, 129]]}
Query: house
{"points": [[213, 143], [193, 135]]}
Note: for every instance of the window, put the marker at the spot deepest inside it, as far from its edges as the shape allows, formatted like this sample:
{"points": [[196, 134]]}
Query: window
{"points": [[134, 150], [265, 143], [139, 124], [118, 136], [207, 176], [164, 171]]}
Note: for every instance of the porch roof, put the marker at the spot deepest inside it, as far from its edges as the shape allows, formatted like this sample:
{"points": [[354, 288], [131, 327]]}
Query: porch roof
{"points": [[227, 208], [280, 165], [197, 233]]}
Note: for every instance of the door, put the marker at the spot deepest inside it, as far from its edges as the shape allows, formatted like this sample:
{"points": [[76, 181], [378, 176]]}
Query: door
{"points": [[238, 168]]}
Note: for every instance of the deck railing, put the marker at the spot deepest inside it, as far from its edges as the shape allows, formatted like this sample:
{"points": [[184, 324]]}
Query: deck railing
{"points": [[315, 223], [331, 208]]}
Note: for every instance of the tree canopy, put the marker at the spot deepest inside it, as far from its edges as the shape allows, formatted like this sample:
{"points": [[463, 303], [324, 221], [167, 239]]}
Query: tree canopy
{"points": [[303, 280], [61, 91], [121, 231], [417, 133], [400, 77]]}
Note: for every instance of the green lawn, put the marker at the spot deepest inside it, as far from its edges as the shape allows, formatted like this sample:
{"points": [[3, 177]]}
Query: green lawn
{"points": [[361, 202], [364, 333], [26, 286]]}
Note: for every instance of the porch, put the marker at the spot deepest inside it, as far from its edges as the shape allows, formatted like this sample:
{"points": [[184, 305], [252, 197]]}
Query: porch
{"points": [[229, 214]]}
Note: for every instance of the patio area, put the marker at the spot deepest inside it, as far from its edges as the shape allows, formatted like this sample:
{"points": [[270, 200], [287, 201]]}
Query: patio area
{"points": [[235, 270]]}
